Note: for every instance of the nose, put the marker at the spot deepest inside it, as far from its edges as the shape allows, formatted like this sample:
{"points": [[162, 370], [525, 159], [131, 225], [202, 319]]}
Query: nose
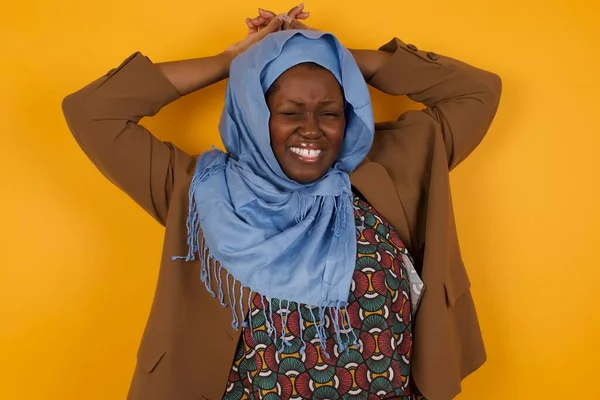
{"points": [[310, 127]]}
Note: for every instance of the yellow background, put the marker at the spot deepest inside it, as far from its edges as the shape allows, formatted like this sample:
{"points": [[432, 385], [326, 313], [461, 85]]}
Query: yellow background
{"points": [[79, 261]]}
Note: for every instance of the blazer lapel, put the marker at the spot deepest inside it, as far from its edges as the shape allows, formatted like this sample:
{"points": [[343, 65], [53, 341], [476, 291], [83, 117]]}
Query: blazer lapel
{"points": [[373, 181]]}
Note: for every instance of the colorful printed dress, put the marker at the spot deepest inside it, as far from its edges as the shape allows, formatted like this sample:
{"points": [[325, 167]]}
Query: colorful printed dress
{"points": [[383, 298]]}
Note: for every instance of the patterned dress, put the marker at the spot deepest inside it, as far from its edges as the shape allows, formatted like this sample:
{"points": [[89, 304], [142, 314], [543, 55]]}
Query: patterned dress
{"points": [[380, 312]]}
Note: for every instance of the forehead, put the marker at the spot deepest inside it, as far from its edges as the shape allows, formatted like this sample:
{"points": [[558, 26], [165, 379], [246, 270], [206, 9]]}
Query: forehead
{"points": [[306, 79]]}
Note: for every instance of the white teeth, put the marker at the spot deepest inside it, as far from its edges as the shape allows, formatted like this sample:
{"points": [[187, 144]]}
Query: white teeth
{"points": [[306, 152]]}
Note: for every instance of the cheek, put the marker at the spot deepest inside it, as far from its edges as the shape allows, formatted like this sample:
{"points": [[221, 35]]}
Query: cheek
{"points": [[336, 137], [279, 134]]}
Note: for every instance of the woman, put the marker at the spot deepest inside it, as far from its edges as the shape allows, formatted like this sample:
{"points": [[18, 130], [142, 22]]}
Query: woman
{"points": [[301, 232]]}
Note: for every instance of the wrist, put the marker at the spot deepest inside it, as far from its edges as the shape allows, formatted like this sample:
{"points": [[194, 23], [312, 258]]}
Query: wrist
{"points": [[224, 60]]}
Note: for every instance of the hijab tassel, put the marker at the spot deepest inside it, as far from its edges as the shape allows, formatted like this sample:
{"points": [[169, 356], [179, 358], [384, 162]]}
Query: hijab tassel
{"points": [[231, 293], [342, 208], [220, 284], [193, 221], [301, 329], [284, 313]]}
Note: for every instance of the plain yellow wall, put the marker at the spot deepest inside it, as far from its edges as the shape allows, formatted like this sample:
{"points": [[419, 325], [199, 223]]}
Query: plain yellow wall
{"points": [[79, 261]]}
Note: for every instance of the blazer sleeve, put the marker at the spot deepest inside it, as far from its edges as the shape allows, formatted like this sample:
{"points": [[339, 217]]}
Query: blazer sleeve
{"points": [[462, 100], [104, 119]]}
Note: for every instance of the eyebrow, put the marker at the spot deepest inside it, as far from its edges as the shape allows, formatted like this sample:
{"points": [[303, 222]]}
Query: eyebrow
{"points": [[301, 103]]}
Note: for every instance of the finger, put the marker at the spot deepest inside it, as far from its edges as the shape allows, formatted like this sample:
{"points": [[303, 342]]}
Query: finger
{"points": [[266, 13], [254, 24], [251, 27], [259, 21], [296, 10], [303, 15], [273, 26]]}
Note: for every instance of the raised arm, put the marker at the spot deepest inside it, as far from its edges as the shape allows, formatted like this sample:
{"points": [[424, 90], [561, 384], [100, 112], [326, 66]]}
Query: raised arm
{"points": [[104, 118], [460, 98]]}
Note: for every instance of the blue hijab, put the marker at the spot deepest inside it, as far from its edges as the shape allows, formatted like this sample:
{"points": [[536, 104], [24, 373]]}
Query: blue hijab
{"points": [[288, 242]]}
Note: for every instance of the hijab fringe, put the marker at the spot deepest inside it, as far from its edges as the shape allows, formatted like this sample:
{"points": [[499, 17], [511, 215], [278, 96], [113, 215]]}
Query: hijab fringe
{"points": [[193, 221], [323, 315], [338, 317]]}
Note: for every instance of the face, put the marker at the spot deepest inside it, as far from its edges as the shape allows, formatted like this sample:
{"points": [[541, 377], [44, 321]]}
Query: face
{"points": [[307, 121]]}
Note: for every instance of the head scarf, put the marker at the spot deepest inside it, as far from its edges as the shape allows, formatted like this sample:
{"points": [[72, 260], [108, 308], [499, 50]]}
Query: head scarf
{"points": [[288, 242]]}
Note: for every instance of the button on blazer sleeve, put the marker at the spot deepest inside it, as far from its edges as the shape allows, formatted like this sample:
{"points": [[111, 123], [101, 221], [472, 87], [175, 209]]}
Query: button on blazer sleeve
{"points": [[461, 100]]}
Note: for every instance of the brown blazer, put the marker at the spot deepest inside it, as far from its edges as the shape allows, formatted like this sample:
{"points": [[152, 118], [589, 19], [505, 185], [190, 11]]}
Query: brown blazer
{"points": [[188, 345]]}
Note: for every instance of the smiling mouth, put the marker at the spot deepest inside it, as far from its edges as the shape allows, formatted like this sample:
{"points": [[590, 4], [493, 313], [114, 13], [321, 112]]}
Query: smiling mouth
{"points": [[308, 156]]}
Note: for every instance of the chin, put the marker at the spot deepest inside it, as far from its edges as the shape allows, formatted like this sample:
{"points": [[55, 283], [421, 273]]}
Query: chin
{"points": [[305, 174], [306, 181], [306, 178]]}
